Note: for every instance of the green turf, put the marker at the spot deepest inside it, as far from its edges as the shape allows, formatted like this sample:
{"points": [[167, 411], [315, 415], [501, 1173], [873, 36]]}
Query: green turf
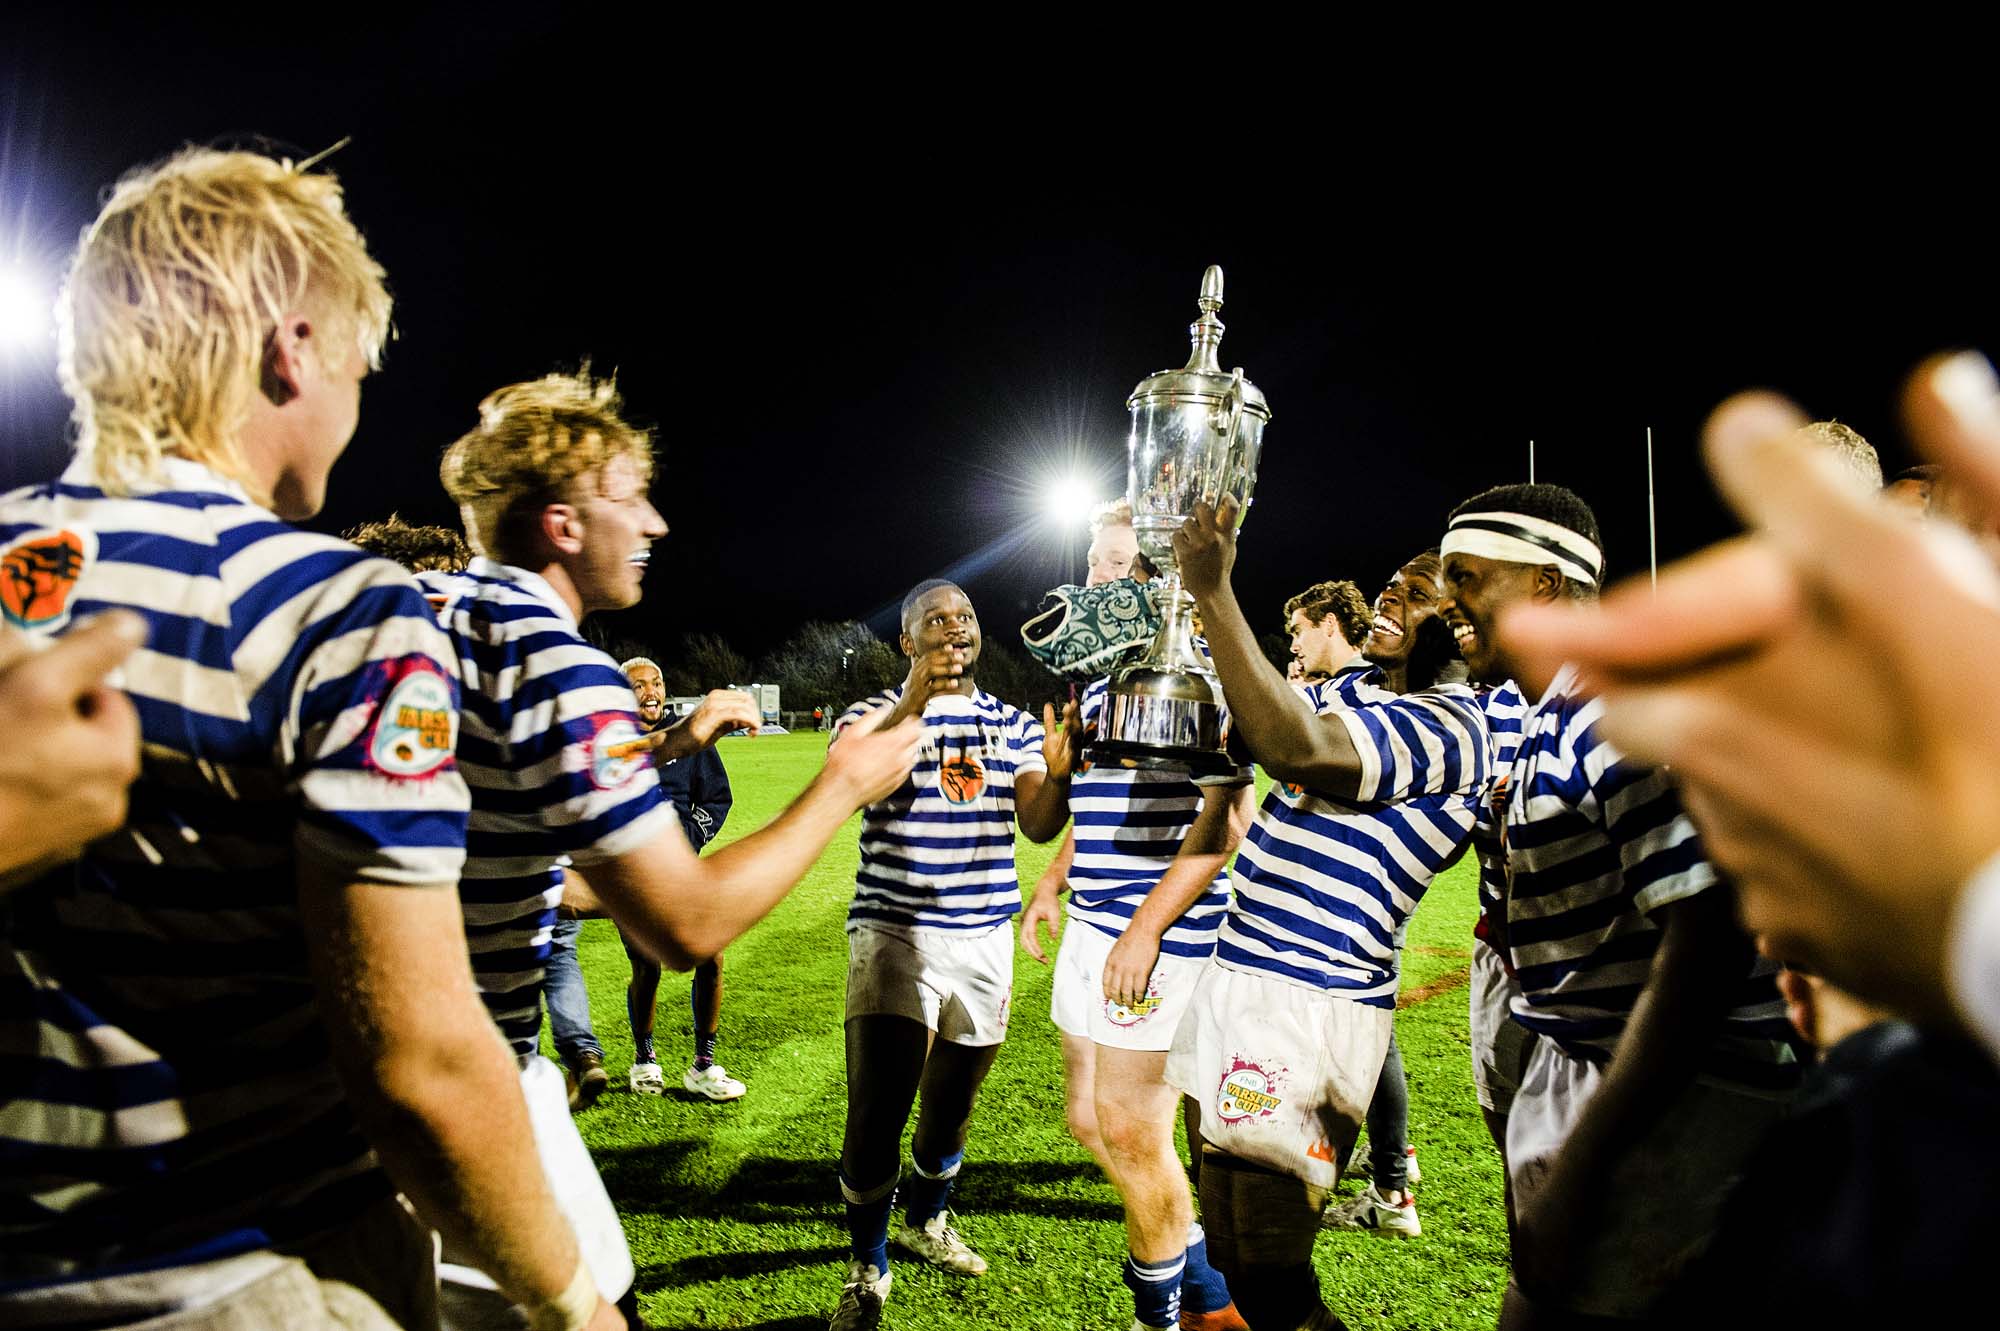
{"points": [[734, 1214]]}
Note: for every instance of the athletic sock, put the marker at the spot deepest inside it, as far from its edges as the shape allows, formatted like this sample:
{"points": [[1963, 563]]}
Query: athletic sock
{"points": [[1203, 1290], [1156, 1289], [930, 1187], [704, 1049], [642, 1045], [868, 1221]]}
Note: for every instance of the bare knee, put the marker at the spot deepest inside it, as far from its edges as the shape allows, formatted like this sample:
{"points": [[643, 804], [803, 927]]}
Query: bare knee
{"points": [[1082, 1119]]}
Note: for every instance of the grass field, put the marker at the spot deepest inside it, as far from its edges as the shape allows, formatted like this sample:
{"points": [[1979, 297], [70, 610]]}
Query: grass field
{"points": [[733, 1211]]}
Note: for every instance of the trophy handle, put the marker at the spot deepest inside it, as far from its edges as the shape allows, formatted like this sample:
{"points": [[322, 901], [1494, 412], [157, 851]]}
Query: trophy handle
{"points": [[1232, 411]]}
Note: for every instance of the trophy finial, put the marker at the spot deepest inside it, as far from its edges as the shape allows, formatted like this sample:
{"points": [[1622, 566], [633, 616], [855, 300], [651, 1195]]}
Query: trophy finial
{"points": [[1207, 330]]}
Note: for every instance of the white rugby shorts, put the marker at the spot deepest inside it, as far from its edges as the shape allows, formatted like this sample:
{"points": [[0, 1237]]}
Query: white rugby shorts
{"points": [[1664, 1194], [959, 984], [1500, 1045], [467, 1298], [1283, 1072], [1078, 1006]]}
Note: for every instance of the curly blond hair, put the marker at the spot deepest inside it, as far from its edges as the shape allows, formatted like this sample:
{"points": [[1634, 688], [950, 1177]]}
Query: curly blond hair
{"points": [[534, 442], [175, 290]]}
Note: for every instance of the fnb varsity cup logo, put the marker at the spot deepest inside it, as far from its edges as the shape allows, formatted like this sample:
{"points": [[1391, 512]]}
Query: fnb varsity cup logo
{"points": [[416, 732], [38, 574], [1118, 1014], [617, 752], [1248, 1091]]}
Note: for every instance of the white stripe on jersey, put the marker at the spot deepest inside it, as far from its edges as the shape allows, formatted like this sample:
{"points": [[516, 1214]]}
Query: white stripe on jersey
{"points": [[1324, 884], [938, 853], [537, 696], [1505, 711], [1130, 824], [1594, 845]]}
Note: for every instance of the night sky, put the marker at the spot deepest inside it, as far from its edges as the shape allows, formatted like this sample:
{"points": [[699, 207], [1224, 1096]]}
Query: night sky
{"points": [[874, 309]]}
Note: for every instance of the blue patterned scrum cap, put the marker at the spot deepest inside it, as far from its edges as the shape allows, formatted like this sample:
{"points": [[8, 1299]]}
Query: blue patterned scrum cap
{"points": [[1084, 633]]}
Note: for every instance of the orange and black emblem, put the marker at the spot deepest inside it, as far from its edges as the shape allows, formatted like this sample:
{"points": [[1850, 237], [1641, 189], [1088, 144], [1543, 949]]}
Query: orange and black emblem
{"points": [[37, 575], [961, 780]]}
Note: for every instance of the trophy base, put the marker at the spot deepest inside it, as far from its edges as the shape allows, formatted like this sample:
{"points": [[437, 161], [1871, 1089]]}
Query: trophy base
{"points": [[1161, 758]]}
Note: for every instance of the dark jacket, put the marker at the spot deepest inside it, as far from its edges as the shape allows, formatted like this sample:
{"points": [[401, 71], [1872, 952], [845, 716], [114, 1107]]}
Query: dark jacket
{"points": [[699, 789]]}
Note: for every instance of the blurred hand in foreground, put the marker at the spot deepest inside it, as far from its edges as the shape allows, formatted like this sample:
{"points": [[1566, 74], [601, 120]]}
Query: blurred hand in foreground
{"points": [[72, 742], [1824, 689]]}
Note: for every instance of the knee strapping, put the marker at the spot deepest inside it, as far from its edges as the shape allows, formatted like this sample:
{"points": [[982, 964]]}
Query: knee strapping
{"points": [[867, 1196], [1256, 1217]]}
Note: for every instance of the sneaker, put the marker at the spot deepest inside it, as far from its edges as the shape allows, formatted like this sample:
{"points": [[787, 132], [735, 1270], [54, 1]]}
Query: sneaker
{"points": [[713, 1081], [939, 1244], [586, 1079], [648, 1079], [861, 1298], [1370, 1211]]}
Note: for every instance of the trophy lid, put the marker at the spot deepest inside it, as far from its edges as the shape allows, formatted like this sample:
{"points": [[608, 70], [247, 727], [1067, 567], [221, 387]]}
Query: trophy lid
{"points": [[1202, 379]]}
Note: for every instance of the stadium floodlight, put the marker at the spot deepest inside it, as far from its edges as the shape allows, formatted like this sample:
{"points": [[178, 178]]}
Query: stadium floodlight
{"points": [[1071, 501], [24, 309]]}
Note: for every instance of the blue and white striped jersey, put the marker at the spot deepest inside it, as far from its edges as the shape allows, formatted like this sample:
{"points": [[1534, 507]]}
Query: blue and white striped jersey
{"points": [[1594, 846], [550, 748], [939, 852], [166, 1091], [1129, 826], [1505, 710], [1324, 884]]}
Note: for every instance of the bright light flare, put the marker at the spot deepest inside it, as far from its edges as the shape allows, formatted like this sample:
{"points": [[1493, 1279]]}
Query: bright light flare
{"points": [[1072, 501], [24, 310]]}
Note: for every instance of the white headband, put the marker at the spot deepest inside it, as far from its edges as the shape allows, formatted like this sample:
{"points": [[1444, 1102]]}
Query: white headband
{"points": [[1517, 538]]}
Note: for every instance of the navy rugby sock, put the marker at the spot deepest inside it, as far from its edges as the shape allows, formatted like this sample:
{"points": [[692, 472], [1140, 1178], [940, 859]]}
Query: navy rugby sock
{"points": [[930, 1187], [1203, 1290], [868, 1221], [1156, 1289]]}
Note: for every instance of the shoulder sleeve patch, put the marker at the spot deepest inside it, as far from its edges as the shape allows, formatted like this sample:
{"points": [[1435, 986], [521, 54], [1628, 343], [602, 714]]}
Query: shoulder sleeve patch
{"points": [[416, 729], [616, 752]]}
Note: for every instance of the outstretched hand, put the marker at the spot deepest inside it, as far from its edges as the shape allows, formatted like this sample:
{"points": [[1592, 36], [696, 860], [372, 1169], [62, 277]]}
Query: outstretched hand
{"points": [[1059, 742], [873, 760], [1815, 688]]}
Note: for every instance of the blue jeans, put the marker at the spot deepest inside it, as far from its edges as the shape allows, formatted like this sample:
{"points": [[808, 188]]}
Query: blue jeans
{"points": [[569, 1001]]}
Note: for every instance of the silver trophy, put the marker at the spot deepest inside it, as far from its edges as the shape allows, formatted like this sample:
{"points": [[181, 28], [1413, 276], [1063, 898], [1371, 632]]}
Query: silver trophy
{"points": [[1196, 435]]}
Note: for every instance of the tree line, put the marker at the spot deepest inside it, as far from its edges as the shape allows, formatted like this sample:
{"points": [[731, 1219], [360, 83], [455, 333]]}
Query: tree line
{"points": [[834, 665]]}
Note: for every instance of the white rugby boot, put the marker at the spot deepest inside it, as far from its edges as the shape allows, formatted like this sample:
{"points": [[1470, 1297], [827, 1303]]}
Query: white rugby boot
{"points": [[861, 1298], [939, 1244]]}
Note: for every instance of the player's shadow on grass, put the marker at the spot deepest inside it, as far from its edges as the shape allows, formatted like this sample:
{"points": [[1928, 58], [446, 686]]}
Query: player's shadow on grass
{"points": [[768, 1189], [732, 1266]]}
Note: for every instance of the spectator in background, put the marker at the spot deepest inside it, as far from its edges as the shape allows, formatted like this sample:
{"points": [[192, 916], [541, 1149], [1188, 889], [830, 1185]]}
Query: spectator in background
{"points": [[1328, 622], [698, 786], [418, 549]]}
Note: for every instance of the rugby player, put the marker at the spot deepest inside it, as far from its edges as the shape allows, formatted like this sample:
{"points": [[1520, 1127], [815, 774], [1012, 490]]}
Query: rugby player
{"points": [[1328, 623], [417, 548], [1662, 1052], [264, 975], [1129, 826], [1284, 1043], [698, 787], [552, 484], [1405, 642], [930, 957]]}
